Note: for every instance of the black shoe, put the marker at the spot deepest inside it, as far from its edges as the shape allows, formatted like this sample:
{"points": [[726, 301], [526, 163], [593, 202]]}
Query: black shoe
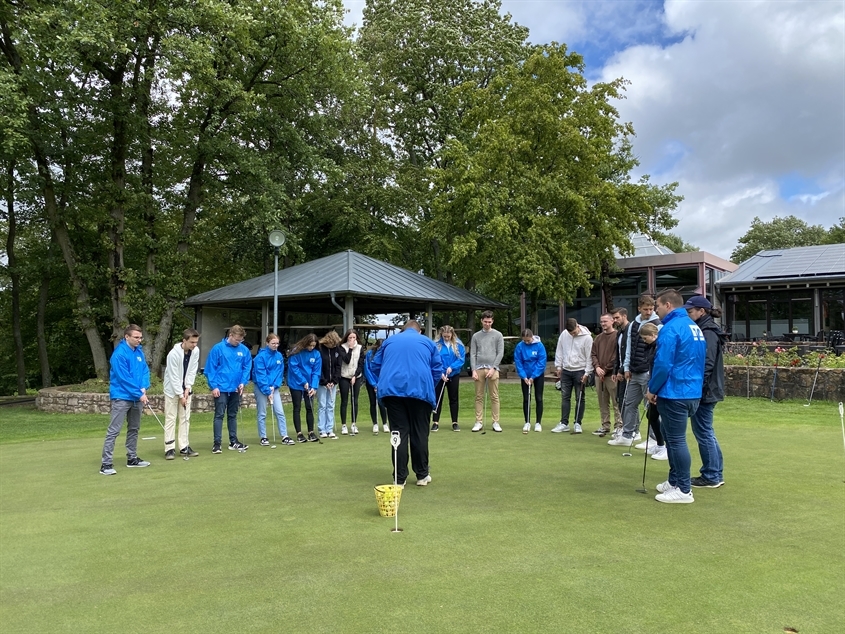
{"points": [[237, 446], [455, 427], [287, 440], [136, 462], [702, 483], [264, 442], [187, 451], [170, 454], [312, 437], [107, 469], [435, 427], [300, 437], [216, 448]]}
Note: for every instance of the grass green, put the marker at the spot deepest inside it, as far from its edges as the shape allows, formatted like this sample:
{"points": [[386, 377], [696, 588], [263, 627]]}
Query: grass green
{"points": [[517, 533]]}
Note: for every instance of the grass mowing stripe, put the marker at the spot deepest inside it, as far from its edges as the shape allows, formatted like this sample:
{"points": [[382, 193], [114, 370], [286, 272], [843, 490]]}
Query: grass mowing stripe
{"points": [[517, 533]]}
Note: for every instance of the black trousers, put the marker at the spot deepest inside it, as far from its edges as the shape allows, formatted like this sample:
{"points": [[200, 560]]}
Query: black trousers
{"points": [[409, 416], [451, 386], [654, 422], [346, 387], [376, 403], [570, 384], [537, 388], [296, 397]]}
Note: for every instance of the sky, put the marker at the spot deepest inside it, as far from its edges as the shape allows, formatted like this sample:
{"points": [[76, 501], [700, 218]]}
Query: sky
{"points": [[741, 102]]}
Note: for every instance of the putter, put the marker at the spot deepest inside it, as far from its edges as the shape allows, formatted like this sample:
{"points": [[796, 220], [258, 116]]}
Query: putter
{"points": [[440, 398], [628, 453], [154, 415], [815, 378], [645, 461], [352, 403], [185, 422], [579, 402], [308, 396], [395, 441], [273, 415], [484, 411], [528, 420]]}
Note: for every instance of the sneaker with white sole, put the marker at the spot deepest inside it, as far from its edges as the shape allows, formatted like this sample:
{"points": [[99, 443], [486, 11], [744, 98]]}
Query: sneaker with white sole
{"points": [[354, 429], [423, 482], [323, 434], [456, 427], [538, 427], [238, 446], [660, 454], [435, 426], [600, 432], [331, 436], [637, 437], [478, 427], [648, 442], [701, 482], [136, 462], [652, 448], [107, 469], [264, 442], [287, 440], [497, 427], [344, 431], [560, 428], [385, 429], [663, 487], [375, 429], [620, 441], [577, 429], [526, 428], [675, 496]]}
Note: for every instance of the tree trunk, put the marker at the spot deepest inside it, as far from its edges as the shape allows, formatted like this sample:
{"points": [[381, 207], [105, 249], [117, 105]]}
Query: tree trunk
{"points": [[11, 258], [606, 286], [43, 298], [162, 339]]}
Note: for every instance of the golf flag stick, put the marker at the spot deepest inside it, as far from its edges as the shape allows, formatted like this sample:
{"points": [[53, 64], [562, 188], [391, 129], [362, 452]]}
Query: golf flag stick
{"points": [[156, 417], [395, 440]]}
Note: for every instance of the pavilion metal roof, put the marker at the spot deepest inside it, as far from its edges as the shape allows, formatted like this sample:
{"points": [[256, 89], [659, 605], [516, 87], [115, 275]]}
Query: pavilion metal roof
{"points": [[643, 246], [376, 286], [800, 265]]}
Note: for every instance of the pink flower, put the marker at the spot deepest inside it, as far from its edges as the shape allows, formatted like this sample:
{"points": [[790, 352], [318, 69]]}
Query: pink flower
{"points": [[778, 349], [739, 356]]}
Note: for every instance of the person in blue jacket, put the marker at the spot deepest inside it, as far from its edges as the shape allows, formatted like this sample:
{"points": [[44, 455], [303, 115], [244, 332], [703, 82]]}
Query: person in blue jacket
{"points": [[372, 390], [452, 354], [304, 367], [407, 366], [529, 358], [269, 371], [129, 378], [227, 369], [675, 387]]}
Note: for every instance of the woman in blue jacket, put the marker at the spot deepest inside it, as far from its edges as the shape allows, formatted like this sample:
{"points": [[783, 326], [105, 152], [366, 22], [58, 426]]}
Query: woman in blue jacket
{"points": [[529, 357], [269, 369], [304, 365], [372, 387], [452, 354]]}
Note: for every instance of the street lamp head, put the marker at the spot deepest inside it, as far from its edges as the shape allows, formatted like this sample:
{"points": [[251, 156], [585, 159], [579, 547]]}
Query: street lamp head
{"points": [[277, 238]]}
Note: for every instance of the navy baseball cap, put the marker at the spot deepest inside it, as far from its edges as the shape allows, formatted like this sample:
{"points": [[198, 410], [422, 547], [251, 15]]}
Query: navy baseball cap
{"points": [[698, 301]]}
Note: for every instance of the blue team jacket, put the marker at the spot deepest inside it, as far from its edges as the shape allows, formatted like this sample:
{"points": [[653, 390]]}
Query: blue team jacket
{"points": [[304, 367], [269, 368], [678, 371], [530, 359], [228, 366], [129, 373], [449, 358], [408, 365]]}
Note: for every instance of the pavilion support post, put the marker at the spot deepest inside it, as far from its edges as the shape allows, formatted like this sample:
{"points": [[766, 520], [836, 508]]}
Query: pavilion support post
{"points": [[429, 321]]}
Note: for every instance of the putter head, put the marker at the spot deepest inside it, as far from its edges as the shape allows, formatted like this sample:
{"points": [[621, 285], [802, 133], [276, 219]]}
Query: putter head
{"points": [[641, 491]]}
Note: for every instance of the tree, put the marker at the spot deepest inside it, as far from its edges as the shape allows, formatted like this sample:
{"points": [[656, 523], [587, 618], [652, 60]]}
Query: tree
{"points": [[780, 233], [536, 194], [673, 242], [836, 234]]}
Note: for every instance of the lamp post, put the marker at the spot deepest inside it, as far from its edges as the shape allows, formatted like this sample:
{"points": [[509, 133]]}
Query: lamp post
{"points": [[277, 239]]}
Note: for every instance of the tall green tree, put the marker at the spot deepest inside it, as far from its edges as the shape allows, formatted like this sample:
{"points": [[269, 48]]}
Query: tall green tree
{"points": [[779, 233]]}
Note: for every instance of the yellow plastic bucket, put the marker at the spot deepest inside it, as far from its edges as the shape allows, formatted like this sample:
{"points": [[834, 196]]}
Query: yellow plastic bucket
{"points": [[387, 498]]}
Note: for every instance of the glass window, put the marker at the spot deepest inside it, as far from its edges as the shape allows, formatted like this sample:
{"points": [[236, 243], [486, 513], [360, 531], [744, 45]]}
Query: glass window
{"points": [[802, 315], [779, 314], [757, 327], [683, 280], [833, 309]]}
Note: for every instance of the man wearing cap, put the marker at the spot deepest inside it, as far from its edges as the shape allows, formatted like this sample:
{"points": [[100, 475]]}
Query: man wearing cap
{"points": [[713, 391]]}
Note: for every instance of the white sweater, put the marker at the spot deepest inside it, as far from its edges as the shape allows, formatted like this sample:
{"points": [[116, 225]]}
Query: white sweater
{"points": [[573, 353]]}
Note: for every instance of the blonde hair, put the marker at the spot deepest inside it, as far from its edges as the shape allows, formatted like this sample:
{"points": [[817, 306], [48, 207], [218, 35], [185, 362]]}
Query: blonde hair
{"points": [[649, 329], [452, 344], [331, 339]]}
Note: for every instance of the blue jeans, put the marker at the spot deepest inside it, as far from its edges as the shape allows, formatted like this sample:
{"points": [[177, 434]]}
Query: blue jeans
{"points": [[325, 415], [708, 446], [673, 422], [227, 402], [261, 412]]}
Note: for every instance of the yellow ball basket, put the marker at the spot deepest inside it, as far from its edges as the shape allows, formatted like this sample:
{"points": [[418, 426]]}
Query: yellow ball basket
{"points": [[387, 497]]}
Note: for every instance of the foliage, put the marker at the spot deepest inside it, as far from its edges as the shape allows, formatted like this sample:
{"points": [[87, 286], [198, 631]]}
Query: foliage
{"points": [[752, 354], [780, 233], [673, 242]]}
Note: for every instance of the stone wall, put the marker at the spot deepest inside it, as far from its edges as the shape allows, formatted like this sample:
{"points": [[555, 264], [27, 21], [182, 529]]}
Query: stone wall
{"points": [[791, 382], [59, 400]]}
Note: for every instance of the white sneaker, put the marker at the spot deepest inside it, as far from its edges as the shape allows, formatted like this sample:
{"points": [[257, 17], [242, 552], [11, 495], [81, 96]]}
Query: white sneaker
{"points": [[375, 429], [663, 487], [653, 447], [660, 454], [354, 429], [497, 427], [637, 437], [616, 433], [538, 427], [526, 428], [323, 434], [675, 496], [424, 481], [620, 441], [644, 445], [560, 428], [577, 429], [385, 429], [478, 427], [344, 431]]}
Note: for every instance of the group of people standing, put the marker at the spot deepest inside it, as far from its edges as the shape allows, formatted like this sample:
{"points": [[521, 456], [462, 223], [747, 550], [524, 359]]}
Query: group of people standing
{"points": [[677, 372]]}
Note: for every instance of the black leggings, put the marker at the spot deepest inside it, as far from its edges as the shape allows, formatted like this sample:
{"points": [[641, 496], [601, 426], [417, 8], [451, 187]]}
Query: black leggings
{"points": [[345, 385], [451, 386], [374, 402], [296, 396], [537, 388], [653, 418]]}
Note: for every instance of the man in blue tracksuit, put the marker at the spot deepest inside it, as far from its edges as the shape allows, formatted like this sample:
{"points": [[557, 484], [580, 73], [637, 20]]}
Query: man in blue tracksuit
{"points": [[129, 378], [227, 370], [675, 387], [407, 366]]}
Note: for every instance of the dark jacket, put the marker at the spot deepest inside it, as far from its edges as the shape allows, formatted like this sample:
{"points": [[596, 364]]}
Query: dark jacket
{"points": [[332, 359], [638, 363], [714, 367], [621, 344]]}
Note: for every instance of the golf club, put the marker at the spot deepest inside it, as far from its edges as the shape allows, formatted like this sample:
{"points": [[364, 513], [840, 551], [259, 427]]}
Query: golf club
{"points": [[815, 378], [579, 402], [440, 398], [352, 400], [156, 417], [238, 419], [528, 418], [308, 396], [273, 415], [187, 429], [628, 453], [645, 461]]}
